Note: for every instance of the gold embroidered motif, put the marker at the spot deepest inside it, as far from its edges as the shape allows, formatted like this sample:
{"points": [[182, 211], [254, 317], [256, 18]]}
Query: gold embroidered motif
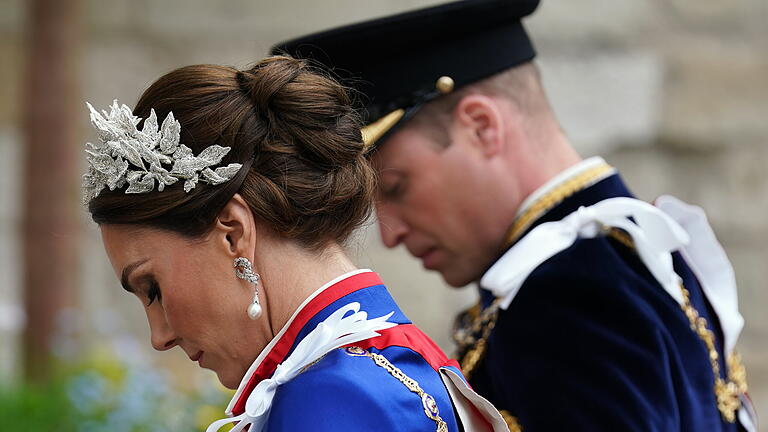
{"points": [[511, 421], [429, 404], [472, 348], [356, 351]]}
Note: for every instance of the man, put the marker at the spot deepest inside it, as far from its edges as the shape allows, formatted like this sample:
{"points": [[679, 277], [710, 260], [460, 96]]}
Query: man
{"points": [[598, 312]]}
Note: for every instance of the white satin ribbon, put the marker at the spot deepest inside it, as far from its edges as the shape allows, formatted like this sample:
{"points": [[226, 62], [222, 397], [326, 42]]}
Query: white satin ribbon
{"points": [[708, 261], [334, 332], [710, 264], [654, 233]]}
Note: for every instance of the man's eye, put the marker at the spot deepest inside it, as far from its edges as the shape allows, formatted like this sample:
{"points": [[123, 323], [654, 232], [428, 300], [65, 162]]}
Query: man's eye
{"points": [[153, 293], [394, 190]]}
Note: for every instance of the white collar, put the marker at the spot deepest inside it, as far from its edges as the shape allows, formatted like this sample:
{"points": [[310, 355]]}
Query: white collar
{"points": [[557, 180]]}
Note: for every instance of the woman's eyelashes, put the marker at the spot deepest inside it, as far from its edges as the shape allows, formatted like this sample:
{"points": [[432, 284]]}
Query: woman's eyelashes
{"points": [[153, 292]]}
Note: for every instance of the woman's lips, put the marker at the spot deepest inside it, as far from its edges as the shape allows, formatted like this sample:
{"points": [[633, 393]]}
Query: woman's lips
{"points": [[197, 356]]}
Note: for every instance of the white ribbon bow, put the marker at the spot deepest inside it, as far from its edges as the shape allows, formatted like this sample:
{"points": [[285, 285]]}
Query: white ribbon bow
{"points": [[334, 332], [654, 233]]}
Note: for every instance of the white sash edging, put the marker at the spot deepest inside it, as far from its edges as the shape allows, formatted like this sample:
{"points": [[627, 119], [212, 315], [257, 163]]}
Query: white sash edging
{"points": [[334, 332], [655, 234]]}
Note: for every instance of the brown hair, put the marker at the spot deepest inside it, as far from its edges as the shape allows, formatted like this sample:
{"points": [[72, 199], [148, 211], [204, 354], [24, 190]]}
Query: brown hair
{"points": [[520, 84], [291, 126]]}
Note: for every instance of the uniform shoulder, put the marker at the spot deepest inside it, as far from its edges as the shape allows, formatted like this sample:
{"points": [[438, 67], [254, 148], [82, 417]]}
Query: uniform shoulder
{"points": [[593, 326], [594, 263], [596, 278]]}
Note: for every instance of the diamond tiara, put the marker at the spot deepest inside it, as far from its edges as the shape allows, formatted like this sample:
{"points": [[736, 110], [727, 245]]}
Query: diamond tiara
{"points": [[127, 155]]}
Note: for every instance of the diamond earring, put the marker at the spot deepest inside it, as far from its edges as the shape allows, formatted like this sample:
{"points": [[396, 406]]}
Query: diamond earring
{"points": [[244, 270]]}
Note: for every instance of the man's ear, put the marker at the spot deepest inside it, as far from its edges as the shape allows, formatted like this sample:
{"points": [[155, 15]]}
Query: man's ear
{"points": [[236, 228], [481, 117]]}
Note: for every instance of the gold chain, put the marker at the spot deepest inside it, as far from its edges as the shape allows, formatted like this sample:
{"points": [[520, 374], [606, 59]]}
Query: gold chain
{"points": [[728, 392], [429, 404]]}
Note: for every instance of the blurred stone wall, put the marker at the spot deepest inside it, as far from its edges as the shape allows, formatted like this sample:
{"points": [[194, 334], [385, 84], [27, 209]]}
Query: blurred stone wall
{"points": [[674, 93]]}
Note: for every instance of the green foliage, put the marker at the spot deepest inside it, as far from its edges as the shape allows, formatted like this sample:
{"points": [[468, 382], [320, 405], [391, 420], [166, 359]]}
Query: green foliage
{"points": [[36, 408], [106, 394]]}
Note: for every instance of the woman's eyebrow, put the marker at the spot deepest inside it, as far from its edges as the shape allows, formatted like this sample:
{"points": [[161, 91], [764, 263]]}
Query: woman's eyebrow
{"points": [[126, 273]]}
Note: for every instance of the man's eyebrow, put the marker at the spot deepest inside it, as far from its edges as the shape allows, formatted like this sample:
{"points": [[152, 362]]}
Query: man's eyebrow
{"points": [[127, 272]]}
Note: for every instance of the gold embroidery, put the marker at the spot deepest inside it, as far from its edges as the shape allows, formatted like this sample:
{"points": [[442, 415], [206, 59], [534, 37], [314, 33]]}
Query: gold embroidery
{"points": [[556, 196], [473, 349], [429, 404], [511, 421]]}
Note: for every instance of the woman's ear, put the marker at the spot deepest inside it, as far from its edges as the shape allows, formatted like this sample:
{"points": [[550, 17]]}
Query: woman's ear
{"points": [[236, 228], [481, 117]]}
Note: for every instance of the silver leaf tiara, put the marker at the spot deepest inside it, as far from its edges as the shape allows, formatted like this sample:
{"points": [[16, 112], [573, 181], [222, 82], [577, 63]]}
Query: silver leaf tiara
{"points": [[136, 157]]}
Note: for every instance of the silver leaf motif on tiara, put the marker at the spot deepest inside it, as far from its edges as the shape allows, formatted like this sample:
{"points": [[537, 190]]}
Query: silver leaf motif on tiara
{"points": [[127, 155]]}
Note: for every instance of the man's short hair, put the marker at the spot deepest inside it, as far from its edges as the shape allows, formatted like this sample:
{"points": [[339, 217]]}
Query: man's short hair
{"points": [[520, 85]]}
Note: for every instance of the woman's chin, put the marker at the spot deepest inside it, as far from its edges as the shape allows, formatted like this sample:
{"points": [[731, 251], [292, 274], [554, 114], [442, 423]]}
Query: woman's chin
{"points": [[230, 379]]}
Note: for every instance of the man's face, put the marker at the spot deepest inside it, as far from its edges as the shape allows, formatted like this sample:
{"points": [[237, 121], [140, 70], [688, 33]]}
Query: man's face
{"points": [[439, 203]]}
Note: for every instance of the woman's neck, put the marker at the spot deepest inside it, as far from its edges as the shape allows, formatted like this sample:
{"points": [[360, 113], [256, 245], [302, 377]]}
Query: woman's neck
{"points": [[291, 273]]}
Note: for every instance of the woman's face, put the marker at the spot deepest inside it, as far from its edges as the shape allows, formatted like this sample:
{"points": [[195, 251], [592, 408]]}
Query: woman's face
{"points": [[191, 296]]}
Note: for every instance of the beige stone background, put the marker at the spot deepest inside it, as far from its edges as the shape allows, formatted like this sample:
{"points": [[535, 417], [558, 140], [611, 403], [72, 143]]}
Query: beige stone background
{"points": [[672, 92]]}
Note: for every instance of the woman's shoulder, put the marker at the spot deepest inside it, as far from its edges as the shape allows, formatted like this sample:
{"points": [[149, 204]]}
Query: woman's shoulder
{"points": [[351, 387]]}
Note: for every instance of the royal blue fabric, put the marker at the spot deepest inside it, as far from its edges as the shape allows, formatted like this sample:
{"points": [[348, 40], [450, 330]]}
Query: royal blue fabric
{"points": [[343, 392], [374, 300], [593, 343]]}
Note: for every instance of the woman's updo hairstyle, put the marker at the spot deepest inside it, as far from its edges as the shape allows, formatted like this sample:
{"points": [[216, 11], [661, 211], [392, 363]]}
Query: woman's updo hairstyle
{"points": [[292, 127]]}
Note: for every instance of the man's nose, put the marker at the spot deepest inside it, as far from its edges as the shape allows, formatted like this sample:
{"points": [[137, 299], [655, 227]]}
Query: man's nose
{"points": [[391, 227]]}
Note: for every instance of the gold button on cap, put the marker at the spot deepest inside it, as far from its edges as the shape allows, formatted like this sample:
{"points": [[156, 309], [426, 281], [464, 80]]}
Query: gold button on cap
{"points": [[444, 84]]}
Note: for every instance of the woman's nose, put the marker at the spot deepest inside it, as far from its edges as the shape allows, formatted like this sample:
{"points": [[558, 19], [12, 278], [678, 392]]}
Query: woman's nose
{"points": [[162, 335]]}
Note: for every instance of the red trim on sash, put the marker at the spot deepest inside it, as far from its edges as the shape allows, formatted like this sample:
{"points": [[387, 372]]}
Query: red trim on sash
{"points": [[409, 336], [280, 350]]}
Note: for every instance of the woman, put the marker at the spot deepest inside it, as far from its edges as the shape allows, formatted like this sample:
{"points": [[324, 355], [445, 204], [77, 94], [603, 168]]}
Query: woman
{"points": [[227, 221]]}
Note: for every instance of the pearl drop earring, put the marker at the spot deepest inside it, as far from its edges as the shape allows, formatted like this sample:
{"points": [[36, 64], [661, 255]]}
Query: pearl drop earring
{"points": [[244, 270]]}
